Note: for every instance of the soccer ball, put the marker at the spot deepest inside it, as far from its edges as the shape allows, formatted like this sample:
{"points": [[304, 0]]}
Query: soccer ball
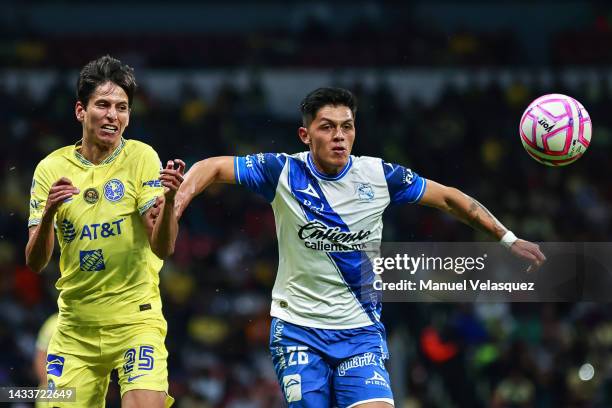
{"points": [[555, 130]]}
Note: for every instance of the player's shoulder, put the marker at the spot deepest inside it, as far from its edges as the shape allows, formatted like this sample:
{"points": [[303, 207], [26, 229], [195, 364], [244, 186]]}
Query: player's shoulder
{"points": [[301, 156], [367, 161], [137, 148], [267, 158], [57, 157]]}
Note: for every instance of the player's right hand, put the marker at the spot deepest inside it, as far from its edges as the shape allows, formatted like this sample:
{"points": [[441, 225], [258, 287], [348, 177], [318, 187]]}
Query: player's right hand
{"points": [[530, 252], [59, 192]]}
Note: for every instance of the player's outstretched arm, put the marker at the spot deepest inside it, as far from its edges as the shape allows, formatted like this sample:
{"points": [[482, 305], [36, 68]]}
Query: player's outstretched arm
{"points": [[40, 237], [163, 228], [201, 175], [471, 212]]}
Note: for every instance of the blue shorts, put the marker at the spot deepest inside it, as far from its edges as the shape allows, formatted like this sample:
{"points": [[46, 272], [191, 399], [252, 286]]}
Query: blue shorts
{"points": [[319, 368]]}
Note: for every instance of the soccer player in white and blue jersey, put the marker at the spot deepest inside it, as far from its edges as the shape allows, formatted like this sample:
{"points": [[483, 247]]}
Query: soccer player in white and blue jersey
{"points": [[327, 342]]}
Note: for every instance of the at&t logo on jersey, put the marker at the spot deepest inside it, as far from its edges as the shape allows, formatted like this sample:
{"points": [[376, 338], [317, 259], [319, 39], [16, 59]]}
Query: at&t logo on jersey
{"points": [[114, 190], [101, 230]]}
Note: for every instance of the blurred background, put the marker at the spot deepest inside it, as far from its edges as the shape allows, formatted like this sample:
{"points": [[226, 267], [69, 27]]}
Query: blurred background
{"points": [[441, 88]]}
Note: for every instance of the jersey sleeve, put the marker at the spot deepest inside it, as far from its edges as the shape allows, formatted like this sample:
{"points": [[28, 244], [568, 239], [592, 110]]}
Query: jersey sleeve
{"points": [[41, 183], [260, 172], [405, 186], [150, 186]]}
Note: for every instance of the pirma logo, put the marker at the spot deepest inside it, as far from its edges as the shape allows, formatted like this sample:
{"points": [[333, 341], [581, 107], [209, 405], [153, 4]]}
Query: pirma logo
{"points": [[55, 365], [377, 379], [292, 385], [310, 191]]}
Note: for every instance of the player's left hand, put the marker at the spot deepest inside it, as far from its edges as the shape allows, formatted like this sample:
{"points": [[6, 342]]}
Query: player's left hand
{"points": [[530, 252], [171, 178]]}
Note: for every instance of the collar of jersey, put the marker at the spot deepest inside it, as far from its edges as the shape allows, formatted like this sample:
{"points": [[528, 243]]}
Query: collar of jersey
{"points": [[109, 159], [320, 175]]}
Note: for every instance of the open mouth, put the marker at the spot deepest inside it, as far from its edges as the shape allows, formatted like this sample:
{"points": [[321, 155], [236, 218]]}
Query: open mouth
{"points": [[109, 129]]}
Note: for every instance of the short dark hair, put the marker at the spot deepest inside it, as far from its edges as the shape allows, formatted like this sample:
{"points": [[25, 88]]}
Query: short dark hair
{"points": [[321, 97], [102, 70]]}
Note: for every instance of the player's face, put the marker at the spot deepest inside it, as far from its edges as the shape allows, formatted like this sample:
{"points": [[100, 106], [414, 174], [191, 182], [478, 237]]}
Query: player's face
{"points": [[330, 137], [106, 115]]}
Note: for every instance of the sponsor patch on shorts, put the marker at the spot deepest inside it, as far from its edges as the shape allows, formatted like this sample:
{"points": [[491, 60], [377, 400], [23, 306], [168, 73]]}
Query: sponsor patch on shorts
{"points": [[55, 365], [292, 385]]}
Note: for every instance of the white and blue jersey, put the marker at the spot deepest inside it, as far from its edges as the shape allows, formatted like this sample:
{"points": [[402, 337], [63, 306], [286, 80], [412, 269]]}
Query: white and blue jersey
{"points": [[327, 343], [322, 224]]}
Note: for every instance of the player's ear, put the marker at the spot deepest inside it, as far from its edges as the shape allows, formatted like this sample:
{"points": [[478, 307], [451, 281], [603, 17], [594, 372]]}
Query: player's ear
{"points": [[79, 111], [303, 135]]}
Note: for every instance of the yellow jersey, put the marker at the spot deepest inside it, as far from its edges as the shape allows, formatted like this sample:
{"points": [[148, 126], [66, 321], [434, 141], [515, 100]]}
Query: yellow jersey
{"points": [[109, 274]]}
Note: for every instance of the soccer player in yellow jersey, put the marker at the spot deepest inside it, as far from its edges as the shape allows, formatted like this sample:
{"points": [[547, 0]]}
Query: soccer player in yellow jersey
{"points": [[96, 194]]}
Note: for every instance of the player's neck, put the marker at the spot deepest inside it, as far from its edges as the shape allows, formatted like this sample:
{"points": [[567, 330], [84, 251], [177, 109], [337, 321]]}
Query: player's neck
{"points": [[96, 153], [325, 169]]}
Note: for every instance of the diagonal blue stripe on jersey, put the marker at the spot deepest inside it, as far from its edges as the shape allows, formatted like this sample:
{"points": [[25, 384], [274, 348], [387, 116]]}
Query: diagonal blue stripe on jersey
{"points": [[354, 266]]}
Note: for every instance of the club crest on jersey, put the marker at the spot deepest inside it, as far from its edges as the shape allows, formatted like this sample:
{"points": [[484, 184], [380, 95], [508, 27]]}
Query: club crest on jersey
{"points": [[91, 195], [114, 190], [365, 192]]}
